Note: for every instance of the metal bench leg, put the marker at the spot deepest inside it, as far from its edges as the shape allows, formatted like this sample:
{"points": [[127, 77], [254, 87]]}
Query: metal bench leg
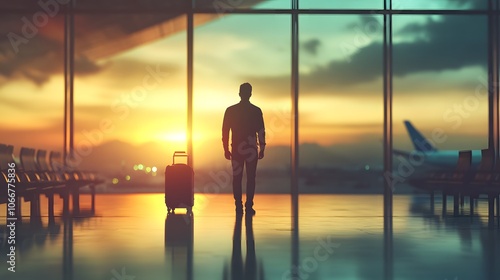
{"points": [[92, 188], [76, 201], [471, 205], [51, 204], [491, 207], [65, 197], [35, 206], [444, 204], [498, 206], [456, 204], [432, 202]]}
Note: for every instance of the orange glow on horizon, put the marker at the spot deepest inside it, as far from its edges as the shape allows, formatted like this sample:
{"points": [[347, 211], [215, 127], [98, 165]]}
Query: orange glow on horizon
{"points": [[174, 137]]}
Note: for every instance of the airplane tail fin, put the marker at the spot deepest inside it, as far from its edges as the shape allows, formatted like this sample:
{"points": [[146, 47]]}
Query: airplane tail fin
{"points": [[419, 141]]}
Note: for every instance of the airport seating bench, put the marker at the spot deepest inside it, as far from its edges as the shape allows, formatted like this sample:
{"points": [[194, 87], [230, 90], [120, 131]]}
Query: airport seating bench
{"points": [[37, 173], [466, 181]]}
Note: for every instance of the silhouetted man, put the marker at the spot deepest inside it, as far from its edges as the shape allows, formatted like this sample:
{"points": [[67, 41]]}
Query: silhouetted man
{"points": [[246, 124]]}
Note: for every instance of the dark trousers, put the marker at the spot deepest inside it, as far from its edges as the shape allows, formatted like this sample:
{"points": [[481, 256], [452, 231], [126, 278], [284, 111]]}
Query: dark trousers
{"points": [[248, 161]]}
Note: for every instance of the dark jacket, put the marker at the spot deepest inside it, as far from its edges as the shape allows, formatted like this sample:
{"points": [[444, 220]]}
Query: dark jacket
{"points": [[246, 124]]}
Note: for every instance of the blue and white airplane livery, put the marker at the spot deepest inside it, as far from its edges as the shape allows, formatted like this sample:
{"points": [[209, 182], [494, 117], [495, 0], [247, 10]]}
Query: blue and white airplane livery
{"points": [[426, 153]]}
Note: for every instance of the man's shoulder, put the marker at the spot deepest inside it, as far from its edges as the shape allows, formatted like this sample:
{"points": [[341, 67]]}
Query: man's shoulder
{"points": [[238, 106], [232, 107], [256, 108]]}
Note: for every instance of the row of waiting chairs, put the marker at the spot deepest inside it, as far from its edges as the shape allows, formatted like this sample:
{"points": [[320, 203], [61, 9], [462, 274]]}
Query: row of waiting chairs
{"points": [[467, 181], [39, 172]]}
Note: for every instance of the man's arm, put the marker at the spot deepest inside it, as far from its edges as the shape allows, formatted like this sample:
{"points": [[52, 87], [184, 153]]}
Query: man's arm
{"points": [[225, 135], [261, 133]]}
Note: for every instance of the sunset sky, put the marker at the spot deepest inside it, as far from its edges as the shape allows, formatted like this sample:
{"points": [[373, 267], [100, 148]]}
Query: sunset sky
{"points": [[436, 70]]}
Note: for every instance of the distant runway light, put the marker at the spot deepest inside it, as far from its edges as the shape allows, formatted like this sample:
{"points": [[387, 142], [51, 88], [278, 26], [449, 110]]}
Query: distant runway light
{"points": [[115, 181], [127, 177], [154, 169], [367, 167]]}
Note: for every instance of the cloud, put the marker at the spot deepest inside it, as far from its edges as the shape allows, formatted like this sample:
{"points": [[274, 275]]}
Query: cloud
{"points": [[38, 60], [311, 46], [446, 47], [441, 45], [123, 75], [84, 66], [14, 102], [435, 45]]}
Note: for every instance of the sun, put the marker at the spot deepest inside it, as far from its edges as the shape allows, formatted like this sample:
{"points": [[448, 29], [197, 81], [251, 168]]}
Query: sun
{"points": [[176, 136]]}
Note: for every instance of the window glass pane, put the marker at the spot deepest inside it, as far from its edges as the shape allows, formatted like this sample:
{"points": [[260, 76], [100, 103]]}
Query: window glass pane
{"points": [[130, 96], [440, 87], [224, 6], [341, 103], [439, 4], [396, 4], [340, 4], [228, 52], [341, 124], [114, 6], [32, 81]]}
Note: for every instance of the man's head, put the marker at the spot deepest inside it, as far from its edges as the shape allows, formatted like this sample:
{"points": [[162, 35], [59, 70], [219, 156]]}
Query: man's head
{"points": [[245, 91]]}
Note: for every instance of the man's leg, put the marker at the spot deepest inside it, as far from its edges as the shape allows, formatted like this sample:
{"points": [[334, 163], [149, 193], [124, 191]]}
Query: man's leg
{"points": [[236, 257], [237, 165], [251, 168], [251, 259]]}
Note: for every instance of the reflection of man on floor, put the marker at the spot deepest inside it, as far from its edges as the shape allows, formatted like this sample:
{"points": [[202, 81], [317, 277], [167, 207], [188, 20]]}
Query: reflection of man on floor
{"points": [[249, 270], [245, 122]]}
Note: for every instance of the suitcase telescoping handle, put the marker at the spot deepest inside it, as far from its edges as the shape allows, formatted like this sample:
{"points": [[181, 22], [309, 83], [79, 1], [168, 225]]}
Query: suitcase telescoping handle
{"points": [[179, 154]]}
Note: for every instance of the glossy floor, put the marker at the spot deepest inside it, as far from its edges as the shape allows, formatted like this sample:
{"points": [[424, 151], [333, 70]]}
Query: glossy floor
{"points": [[340, 237]]}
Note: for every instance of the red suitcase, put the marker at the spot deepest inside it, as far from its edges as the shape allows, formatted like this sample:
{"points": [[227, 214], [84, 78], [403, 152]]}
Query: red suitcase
{"points": [[179, 184]]}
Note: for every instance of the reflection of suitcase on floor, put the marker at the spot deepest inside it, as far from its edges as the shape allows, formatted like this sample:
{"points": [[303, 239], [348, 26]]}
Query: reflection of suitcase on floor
{"points": [[179, 184], [179, 236], [179, 230]]}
